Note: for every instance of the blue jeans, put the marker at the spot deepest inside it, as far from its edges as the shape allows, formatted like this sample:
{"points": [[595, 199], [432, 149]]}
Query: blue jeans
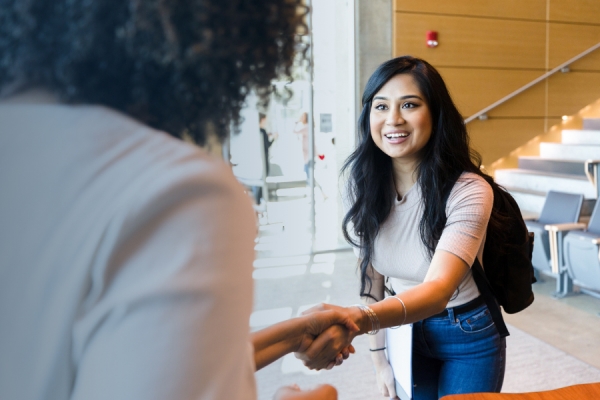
{"points": [[457, 354]]}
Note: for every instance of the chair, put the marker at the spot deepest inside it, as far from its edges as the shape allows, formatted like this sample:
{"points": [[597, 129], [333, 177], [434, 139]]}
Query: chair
{"points": [[559, 214], [581, 253]]}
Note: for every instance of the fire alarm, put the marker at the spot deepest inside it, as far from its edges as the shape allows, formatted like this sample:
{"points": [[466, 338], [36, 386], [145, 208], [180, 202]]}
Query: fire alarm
{"points": [[432, 38]]}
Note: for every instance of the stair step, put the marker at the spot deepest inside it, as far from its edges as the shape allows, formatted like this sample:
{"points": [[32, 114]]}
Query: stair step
{"points": [[581, 136], [539, 181], [566, 167], [569, 151], [560, 166], [591, 123]]}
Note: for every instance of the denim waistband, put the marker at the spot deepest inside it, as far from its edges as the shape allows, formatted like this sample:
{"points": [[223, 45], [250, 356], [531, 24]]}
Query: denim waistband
{"points": [[471, 305]]}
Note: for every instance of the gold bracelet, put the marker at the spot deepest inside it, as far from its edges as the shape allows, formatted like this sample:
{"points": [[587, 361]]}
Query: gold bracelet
{"points": [[372, 317]]}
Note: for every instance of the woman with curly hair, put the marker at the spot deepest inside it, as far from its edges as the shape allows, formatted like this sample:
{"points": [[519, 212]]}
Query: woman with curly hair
{"points": [[125, 253], [418, 211]]}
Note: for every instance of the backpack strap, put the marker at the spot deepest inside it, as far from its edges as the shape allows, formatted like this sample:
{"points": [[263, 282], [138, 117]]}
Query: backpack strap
{"points": [[488, 296], [387, 287]]}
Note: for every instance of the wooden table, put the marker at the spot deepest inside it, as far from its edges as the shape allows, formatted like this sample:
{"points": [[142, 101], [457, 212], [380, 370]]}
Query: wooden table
{"points": [[575, 392]]}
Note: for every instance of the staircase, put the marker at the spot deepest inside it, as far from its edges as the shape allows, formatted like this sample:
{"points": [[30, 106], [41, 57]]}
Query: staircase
{"points": [[560, 166]]}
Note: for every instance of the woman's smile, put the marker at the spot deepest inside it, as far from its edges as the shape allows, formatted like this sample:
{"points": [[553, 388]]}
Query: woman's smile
{"points": [[396, 137]]}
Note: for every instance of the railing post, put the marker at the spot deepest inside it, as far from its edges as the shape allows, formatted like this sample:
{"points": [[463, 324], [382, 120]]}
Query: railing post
{"points": [[591, 171], [594, 176]]}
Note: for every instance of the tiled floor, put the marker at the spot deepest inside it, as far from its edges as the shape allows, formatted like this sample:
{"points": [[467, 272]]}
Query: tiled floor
{"points": [[571, 324]]}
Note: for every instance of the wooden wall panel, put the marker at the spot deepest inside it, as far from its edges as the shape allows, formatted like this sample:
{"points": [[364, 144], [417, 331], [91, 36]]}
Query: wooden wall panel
{"points": [[491, 48], [494, 138], [568, 40], [568, 93], [586, 11], [472, 90], [472, 41], [514, 9]]}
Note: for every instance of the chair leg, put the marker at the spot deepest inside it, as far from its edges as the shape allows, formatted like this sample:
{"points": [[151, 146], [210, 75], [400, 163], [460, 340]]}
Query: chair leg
{"points": [[559, 293], [564, 285]]}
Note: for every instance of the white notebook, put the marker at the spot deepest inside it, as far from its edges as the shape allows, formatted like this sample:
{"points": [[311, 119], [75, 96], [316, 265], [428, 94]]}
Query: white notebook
{"points": [[399, 352]]}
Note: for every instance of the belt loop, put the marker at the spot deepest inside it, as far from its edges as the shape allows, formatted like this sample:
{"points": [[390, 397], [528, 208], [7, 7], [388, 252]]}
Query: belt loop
{"points": [[451, 315]]}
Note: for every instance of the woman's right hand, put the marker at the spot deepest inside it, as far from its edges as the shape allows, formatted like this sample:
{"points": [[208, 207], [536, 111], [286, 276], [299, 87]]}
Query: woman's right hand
{"points": [[332, 345], [330, 348], [385, 379]]}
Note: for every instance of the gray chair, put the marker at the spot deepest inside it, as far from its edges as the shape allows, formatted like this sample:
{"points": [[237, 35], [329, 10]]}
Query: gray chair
{"points": [[581, 252], [559, 214]]}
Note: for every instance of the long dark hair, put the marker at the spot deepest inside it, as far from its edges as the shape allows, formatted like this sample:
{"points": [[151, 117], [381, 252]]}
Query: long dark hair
{"points": [[444, 158], [182, 66]]}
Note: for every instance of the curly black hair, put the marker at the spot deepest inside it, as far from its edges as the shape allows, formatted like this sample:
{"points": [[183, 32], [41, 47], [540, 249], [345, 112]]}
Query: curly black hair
{"points": [[182, 66]]}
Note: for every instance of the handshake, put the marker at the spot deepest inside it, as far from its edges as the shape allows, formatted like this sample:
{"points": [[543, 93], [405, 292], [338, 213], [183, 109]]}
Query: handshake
{"points": [[321, 338], [327, 337]]}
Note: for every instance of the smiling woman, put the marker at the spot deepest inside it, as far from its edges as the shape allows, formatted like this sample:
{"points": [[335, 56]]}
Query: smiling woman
{"points": [[418, 210]]}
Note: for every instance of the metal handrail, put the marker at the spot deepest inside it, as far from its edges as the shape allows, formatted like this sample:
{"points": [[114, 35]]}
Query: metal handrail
{"points": [[530, 84]]}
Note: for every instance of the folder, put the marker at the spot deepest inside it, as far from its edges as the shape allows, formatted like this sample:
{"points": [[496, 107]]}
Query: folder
{"points": [[399, 352]]}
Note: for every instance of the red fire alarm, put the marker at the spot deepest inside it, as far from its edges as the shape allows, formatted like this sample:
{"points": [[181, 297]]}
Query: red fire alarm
{"points": [[432, 38]]}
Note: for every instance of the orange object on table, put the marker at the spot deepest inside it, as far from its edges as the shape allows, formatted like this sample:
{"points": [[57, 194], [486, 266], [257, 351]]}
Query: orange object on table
{"points": [[575, 392]]}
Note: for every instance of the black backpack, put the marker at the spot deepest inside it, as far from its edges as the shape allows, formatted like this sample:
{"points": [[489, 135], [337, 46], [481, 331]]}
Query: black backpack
{"points": [[507, 251]]}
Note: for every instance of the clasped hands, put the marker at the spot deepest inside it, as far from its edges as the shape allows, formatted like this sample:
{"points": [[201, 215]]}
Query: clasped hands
{"points": [[328, 335]]}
